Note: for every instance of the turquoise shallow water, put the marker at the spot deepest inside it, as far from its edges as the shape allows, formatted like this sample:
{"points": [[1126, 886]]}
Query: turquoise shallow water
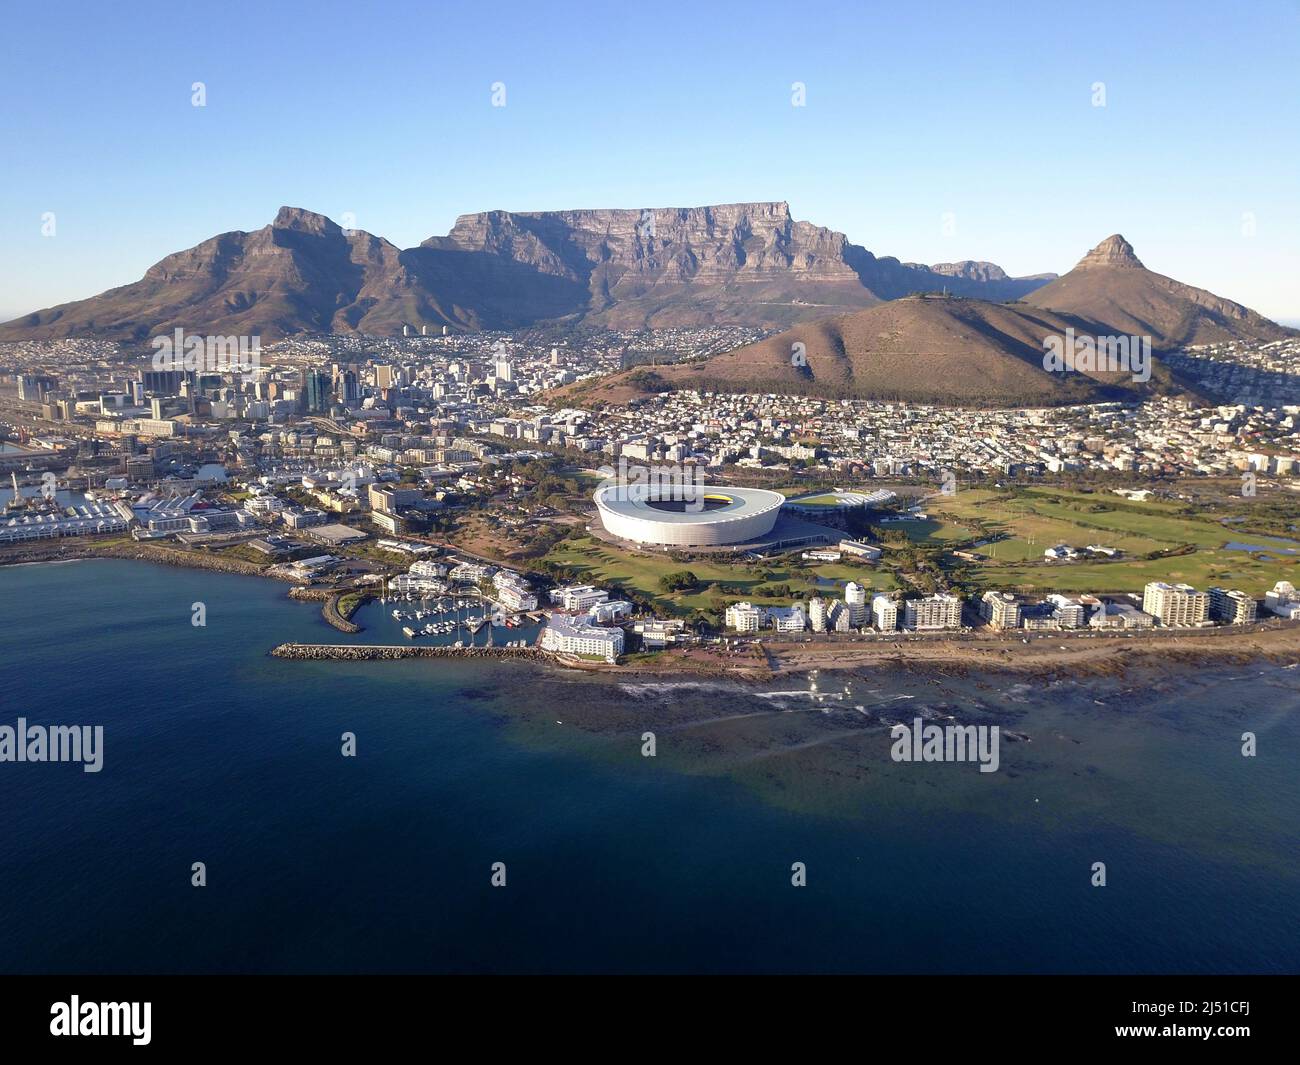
{"points": [[615, 862]]}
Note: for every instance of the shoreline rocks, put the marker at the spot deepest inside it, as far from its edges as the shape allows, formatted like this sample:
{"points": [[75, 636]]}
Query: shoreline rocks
{"points": [[65, 551]]}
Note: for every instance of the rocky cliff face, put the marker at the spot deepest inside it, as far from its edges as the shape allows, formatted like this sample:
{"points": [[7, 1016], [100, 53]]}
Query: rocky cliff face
{"points": [[679, 244], [1113, 251], [971, 270], [741, 262], [747, 262]]}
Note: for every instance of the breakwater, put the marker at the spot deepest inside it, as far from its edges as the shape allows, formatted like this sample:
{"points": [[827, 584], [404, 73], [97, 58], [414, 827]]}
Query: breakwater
{"points": [[368, 652], [337, 604], [340, 607]]}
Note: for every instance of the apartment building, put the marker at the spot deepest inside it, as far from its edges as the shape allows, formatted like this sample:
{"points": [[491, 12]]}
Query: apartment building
{"points": [[578, 597], [386, 499], [610, 611], [787, 618], [884, 612], [657, 633], [939, 611], [1070, 612], [1176, 605], [578, 636], [744, 617], [855, 599], [1120, 616], [1283, 601], [1000, 609], [516, 597], [1232, 607]]}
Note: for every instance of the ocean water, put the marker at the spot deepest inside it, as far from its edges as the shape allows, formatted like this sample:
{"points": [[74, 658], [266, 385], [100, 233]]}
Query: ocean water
{"points": [[615, 862]]}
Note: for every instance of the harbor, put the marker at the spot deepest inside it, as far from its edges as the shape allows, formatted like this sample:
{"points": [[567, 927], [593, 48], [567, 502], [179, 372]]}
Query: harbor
{"points": [[455, 619]]}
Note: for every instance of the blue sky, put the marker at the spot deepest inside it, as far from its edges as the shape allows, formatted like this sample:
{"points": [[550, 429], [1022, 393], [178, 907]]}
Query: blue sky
{"points": [[913, 111]]}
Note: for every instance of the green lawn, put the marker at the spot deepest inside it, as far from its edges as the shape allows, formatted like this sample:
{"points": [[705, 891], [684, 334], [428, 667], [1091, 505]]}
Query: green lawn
{"points": [[1041, 517], [599, 563], [1233, 569], [931, 532], [826, 500], [1033, 525]]}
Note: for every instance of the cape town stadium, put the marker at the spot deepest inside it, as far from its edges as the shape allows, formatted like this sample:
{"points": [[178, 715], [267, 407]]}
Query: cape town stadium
{"points": [[696, 516]]}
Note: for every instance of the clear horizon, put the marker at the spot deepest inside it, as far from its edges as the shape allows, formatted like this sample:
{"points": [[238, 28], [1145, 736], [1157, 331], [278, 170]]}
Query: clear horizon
{"points": [[927, 136]]}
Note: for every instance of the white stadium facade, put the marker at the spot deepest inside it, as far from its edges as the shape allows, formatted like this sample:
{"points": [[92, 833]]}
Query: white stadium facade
{"points": [[695, 516]]}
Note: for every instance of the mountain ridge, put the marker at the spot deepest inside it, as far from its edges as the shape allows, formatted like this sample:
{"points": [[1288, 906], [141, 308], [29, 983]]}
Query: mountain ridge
{"points": [[746, 263]]}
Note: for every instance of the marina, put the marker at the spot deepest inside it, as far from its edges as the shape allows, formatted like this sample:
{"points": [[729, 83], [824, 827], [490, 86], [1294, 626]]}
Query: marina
{"points": [[454, 619]]}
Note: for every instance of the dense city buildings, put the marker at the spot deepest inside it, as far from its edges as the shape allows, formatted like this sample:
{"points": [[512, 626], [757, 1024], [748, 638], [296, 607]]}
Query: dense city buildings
{"points": [[332, 441]]}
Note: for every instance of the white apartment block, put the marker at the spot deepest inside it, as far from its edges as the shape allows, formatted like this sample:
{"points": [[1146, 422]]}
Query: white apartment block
{"points": [[1283, 601], [744, 617], [1120, 616], [513, 591], [516, 597], [1070, 612], [1177, 605], [610, 611], [855, 599], [788, 618], [578, 636], [428, 568], [577, 597], [884, 611], [1000, 609], [471, 572], [934, 612], [1232, 607], [264, 504]]}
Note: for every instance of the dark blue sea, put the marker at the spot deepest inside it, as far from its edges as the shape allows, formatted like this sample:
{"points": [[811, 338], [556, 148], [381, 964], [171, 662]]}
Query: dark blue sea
{"points": [[615, 862]]}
